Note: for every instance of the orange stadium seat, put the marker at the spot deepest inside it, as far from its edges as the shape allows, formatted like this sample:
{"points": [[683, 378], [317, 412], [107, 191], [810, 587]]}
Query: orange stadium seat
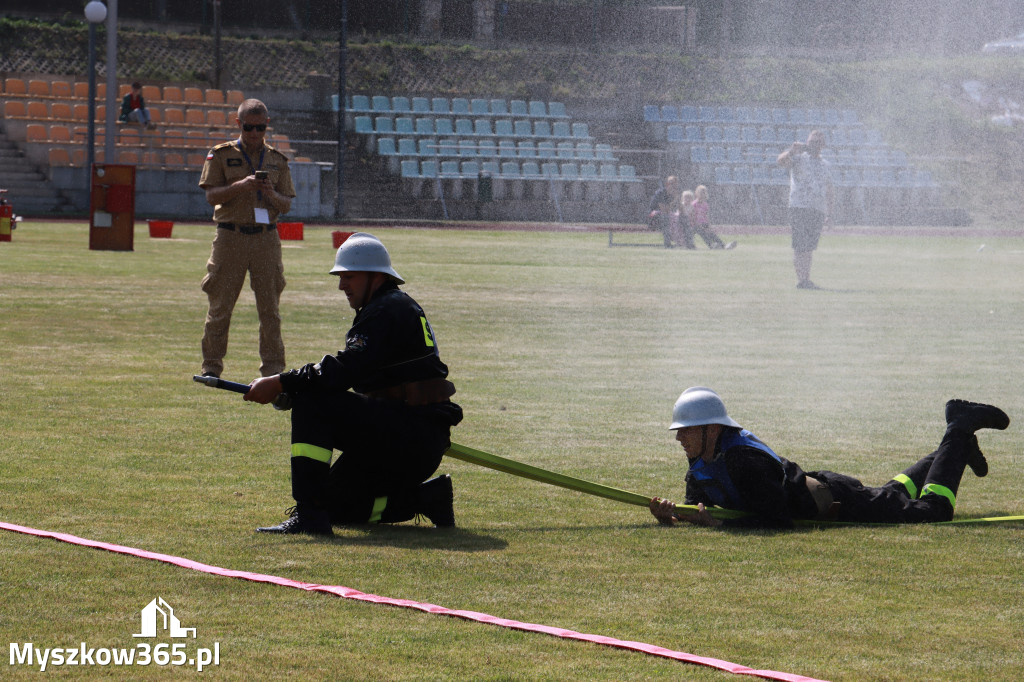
{"points": [[174, 116], [172, 94], [174, 159], [195, 117], [150, 158], [151, 93], [39, 88], [36, 132], [60, 133], [128, 156], [123, 89], [14, 109], [15, 86], [80, 112], [214, 96], [77, 157], [37, 110], [60, 110], [196, 160], [173, 138], [235, 97], [216, 117], [61, 89], [59, 156], [81, 89], [193, 96]]}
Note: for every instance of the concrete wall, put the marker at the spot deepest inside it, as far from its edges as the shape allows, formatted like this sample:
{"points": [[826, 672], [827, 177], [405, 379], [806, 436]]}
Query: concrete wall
{"points": [[176, 193]]}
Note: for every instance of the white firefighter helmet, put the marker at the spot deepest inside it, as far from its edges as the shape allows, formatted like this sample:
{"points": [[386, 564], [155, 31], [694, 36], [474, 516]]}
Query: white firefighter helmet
{"points": [[697, 406], [363, 252]]}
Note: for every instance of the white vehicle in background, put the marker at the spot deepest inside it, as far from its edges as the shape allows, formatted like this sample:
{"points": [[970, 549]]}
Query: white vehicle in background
{"points": [[1005, 46]]}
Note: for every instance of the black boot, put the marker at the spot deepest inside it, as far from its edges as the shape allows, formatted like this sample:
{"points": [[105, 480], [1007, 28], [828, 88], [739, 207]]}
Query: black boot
{"points": [[434, 499], [976, 459], [964, 415], [304, 519]]}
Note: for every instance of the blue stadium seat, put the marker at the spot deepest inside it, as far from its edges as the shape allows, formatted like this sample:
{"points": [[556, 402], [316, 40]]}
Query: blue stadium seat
{"points": [[723, 175], [467, 147], [427, 147], [546, 149], [410, 168], [855, 136], [766, 135], [716, 154], [850, 117], [537, 109], [486, 148], [785, 135], [503, 128], [550, 170], [470, 169], [837, 137], [713, 134], [557, 110], [440, 105], [401, 105], [585, 151], [449, 169], [384, 125], [460, 106], [570, 171], [443, 126], [561, 129], [780, 116], [669, 113], [726, 114], [424, 126], [797, 116], [815, 117], [873, 137], [479, 107], [531, 170], [833, 117], [364, 125], [566, 150], [743, 115], [602, 152], [749, 134], [507, 149], [420, 105], [334, 103], [517, 107], [698, 154], [688, 114], [742, 175], [510, 169], [463, 126], [380, 104], [707, 114], [404, 126], [731, 134], [448, 147], [542, 128], [406, 146], [526, 149], [651, 113], [499, 107], [734, 154], [386, 146], [675, 133], [491, 167], [522, 128], [762, 116], [428, 169], [580, 131], [694, 133], [360, 104], [482, 127]]}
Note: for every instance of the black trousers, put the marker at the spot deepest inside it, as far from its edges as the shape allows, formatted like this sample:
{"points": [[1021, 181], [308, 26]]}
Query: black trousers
{"points": [[906, 502], [386, 449]]}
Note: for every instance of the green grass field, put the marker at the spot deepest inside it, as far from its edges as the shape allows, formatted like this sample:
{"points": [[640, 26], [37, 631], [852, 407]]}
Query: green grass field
{"points": [[567, 355]]}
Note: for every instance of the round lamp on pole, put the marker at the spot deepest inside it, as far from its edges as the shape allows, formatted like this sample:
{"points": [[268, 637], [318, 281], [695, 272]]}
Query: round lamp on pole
{"points": [[95, 13]]}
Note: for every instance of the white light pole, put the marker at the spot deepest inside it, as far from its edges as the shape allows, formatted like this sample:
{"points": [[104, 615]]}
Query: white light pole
{"points": [[95, 13]]}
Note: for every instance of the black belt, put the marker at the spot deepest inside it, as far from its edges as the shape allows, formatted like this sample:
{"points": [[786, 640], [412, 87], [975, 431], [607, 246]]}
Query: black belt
{"points": [[246, 229]]}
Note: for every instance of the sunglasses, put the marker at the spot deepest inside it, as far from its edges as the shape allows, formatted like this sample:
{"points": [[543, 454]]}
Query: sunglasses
{"points": [[249, 127]]}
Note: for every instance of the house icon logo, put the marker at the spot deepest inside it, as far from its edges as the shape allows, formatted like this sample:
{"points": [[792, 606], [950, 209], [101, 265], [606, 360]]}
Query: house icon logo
{"points": [[167, 621]]}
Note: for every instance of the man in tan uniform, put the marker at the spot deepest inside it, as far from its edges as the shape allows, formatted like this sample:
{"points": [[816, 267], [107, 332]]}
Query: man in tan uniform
{"points": [[249, 185]]}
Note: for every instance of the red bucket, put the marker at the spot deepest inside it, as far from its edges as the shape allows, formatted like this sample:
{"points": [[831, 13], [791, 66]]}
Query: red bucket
{"points": [[340, 237], [160, 229], [290, 230]]}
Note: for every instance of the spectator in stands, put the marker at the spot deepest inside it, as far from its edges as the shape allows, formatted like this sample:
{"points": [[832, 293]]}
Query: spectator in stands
{"points": [[700, 220], [249, 185], [811, 198], [686, 218], [133, 107], [663, 214]]}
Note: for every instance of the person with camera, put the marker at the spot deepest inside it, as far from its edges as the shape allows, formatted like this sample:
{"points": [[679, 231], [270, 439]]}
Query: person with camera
{"points": [[811, 199], [249, 184]]}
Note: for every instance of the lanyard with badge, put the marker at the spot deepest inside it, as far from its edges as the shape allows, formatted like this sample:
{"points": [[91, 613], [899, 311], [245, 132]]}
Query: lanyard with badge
{"points": [[260, 215]]}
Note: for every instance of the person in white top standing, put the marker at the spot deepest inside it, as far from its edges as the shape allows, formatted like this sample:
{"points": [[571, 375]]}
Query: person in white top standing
{"points": [[811, 199]]}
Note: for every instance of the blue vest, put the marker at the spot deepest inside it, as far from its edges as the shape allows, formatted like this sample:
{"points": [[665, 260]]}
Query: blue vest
{"points": [[713, 478]]}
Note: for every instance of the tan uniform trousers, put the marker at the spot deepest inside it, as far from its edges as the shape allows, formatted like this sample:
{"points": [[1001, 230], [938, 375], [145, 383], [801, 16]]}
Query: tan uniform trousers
{"points": [[232, 256]]}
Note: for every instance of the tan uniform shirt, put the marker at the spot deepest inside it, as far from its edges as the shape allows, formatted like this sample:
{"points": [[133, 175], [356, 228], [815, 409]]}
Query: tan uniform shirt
{"points": [[226, 163]]}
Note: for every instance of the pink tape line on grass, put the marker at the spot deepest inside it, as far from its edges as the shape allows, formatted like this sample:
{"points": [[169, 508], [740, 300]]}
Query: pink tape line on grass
{"points": [[349, 593]]}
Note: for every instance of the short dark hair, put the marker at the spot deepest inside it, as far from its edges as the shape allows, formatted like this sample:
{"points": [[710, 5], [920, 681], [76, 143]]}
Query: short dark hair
{"points": [[251, 107]]}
